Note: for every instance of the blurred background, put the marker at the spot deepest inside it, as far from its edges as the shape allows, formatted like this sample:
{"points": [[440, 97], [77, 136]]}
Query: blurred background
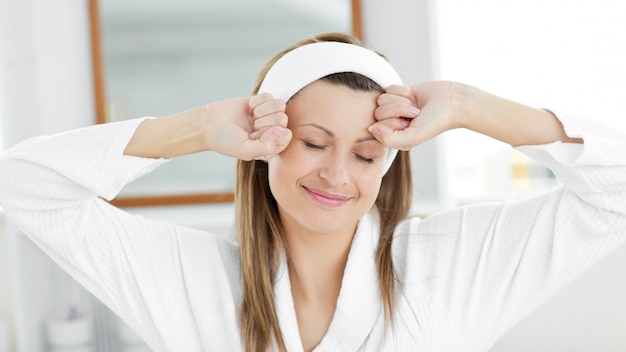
{"points": [[159, 57]]}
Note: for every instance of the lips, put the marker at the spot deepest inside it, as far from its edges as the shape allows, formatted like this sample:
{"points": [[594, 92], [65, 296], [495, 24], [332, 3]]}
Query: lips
{"points": [[325, 198]]}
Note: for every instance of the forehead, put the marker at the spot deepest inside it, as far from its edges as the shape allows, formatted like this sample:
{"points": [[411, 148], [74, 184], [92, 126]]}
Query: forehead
{"points": [[335, 104]]}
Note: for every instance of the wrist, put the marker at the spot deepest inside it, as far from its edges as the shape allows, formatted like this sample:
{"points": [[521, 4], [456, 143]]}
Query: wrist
{"points": [[469, 107], [199, 124]]}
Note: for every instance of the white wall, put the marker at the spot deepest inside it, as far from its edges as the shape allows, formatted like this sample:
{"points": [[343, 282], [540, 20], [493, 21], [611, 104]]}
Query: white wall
{"points": [[46, 71], [46, 86]]}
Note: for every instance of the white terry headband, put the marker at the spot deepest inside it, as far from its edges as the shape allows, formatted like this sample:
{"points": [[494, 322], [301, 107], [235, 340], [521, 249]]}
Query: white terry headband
{"points": [[306, 64]]}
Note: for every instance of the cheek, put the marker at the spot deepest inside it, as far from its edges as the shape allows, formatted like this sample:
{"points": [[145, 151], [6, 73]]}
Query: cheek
{"points": [[283, 162], [369, 186], [294, 162], [368, 177], [282, 168]]}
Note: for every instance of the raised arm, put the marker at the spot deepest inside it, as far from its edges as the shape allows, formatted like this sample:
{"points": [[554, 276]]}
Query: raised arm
{"points": [[488, 265], [52, 188], [442, 106], [244, 128]]}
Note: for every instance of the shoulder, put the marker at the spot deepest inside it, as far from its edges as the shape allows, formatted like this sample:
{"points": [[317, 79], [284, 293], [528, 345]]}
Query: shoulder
{"points": [[421, 244], [408, 226]]}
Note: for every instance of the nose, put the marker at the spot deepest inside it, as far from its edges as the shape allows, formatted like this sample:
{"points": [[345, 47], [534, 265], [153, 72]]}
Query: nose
{"points": [[335, 170]]}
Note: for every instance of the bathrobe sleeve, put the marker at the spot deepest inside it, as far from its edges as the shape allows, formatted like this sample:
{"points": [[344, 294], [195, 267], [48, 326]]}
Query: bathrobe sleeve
{"points": [[157, 276], [484, 267]]}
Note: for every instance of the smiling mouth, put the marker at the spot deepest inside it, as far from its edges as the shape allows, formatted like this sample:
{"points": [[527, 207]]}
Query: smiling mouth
{"points": [[327, 199]]}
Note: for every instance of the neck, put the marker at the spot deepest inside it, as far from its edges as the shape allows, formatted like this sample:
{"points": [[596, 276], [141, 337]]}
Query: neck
{"points": [[317, 262]]}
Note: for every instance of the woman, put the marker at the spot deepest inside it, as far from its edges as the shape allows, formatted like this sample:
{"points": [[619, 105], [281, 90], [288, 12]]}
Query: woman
{"points": [[325, 258]]}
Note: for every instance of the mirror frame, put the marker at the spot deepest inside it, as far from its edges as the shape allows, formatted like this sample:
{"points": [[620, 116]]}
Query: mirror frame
{"points": [[100, 112]]}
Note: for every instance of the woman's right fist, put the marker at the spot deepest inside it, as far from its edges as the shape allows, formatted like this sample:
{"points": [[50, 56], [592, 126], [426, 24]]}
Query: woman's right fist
{"points": [[248, 128]]}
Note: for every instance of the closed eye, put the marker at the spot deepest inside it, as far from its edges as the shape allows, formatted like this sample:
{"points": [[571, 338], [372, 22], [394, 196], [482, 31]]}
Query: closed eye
{"points": [[313, 146], [364, 159]]}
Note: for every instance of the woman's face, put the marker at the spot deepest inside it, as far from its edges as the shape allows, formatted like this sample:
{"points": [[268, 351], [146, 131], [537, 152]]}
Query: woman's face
{"points": [[330, 174]]}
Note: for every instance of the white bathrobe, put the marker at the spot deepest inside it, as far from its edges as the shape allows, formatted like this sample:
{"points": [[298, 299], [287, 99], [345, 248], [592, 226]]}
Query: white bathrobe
{"points": [[465, 275]]}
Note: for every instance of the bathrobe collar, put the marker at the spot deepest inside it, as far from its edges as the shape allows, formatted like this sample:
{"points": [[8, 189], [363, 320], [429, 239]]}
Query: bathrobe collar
{"points": [[359, 303]]}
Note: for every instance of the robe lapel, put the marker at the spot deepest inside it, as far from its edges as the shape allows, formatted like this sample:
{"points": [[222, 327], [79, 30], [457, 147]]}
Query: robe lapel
{"points": [[358, 306], [286, 310]]}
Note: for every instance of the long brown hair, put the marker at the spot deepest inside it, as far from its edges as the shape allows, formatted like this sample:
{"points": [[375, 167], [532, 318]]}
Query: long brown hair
{"points": [[260, 231]]}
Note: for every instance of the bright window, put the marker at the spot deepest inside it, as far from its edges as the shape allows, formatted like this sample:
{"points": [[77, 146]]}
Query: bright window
{"points": [[563, 55]]}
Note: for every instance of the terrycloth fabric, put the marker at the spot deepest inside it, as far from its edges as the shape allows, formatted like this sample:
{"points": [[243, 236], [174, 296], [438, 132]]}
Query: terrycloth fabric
{"points": [[308, 63], [466, 275]]}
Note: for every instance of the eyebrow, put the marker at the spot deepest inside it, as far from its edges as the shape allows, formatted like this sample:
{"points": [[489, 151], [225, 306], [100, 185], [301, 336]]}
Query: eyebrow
{"points": [[332, 134]]}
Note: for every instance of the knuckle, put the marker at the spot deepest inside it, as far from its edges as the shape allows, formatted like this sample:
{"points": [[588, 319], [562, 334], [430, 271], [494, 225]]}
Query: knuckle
{"points": [[280, 105], [265, 96], [377, 113], [282, 118], [383, 111], [257, 111], [396, 89]]}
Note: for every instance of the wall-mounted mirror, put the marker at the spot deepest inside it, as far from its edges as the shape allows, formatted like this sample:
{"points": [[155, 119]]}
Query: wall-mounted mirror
{"points": [[158, 57]]}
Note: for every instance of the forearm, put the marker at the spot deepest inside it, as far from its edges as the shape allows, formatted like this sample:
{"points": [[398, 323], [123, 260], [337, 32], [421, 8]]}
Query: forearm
{"points": [[167, 137], [510, 122]]}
